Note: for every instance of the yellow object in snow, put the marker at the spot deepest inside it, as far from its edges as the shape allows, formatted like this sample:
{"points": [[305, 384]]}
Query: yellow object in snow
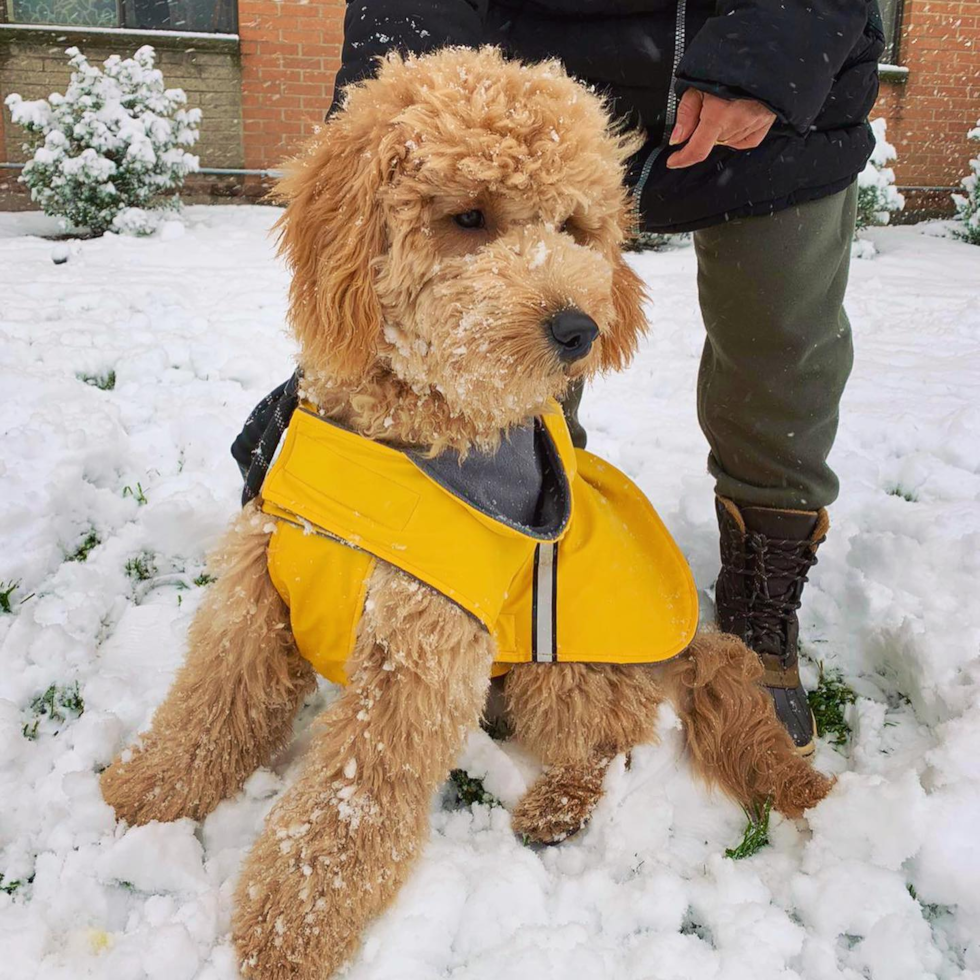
{"points": [[600, 581]]}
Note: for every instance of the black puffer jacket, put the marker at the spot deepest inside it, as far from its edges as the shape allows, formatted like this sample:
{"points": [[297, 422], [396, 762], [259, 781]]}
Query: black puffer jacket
{"points": [[813, 62]]}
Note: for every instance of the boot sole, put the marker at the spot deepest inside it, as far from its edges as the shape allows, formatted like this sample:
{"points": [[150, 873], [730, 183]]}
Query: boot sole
{"points": [[805, 751]]}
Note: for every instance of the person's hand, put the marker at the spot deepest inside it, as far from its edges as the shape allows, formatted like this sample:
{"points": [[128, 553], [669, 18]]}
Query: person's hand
{"points": [[707, 121]]}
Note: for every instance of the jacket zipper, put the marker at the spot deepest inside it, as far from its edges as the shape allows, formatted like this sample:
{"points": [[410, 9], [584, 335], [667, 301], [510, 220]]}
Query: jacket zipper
{"points": [[670, 116]]}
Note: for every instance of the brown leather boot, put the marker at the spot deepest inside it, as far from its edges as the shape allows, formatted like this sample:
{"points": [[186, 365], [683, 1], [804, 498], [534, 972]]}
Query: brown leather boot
{"points": [[766, 555]]}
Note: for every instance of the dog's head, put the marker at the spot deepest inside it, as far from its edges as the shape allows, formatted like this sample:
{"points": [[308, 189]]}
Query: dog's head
{"points": [[457, 225]]}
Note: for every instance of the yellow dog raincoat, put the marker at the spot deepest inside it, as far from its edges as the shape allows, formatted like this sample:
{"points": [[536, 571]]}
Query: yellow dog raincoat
{"points": [[592, 575]]}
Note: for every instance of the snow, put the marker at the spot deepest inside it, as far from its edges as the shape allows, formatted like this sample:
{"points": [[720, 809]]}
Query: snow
{"points": [[191, 320], [878, 196]]}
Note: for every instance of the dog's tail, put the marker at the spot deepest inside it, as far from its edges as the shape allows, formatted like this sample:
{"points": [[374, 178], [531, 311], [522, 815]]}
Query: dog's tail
{"points": [[735, 739]]}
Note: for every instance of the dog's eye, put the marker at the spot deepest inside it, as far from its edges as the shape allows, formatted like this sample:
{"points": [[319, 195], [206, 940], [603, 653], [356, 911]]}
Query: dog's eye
{"points": [[470, 219]]}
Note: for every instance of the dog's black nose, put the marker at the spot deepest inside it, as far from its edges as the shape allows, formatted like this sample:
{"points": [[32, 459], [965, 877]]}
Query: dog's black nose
{"points": [[572, 333]]}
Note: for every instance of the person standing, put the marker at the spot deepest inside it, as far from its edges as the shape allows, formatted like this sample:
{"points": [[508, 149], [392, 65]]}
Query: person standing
{"points": [[756, 119]]}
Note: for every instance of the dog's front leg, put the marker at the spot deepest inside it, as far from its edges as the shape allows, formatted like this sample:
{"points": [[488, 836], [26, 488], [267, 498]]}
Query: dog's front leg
{"points": [[340, 843], [575, 718]]}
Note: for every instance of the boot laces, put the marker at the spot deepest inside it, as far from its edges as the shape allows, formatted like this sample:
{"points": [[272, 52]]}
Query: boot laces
{"points": [[764, 559]]}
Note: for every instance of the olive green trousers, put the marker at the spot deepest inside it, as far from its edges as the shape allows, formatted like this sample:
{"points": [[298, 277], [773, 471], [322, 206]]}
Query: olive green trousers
{"points": [[777, 352]]}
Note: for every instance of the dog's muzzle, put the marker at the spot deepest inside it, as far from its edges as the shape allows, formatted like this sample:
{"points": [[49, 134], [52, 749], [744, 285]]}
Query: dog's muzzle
{"points": [[572, 334]]}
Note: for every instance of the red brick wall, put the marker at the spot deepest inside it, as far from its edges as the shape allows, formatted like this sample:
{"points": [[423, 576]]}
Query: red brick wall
{"points": [[290, 55], [930, 113], [290, 52], [33, 64]]}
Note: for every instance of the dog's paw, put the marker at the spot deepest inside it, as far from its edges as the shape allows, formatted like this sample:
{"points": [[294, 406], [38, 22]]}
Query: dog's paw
{"points": [[798, 786], [284, 913], [148, 783], [327, 861], [560, 803], [279, 937]]}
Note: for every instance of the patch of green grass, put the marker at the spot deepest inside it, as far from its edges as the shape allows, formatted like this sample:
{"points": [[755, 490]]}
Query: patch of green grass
{"points": [[7, 589], [56, 703], [105, 381], [756, 834], [136, 494], [204, 579], [9, 887], [692, 926], [470, 789], [90, 541], [828, 702], [71, 700], [651, 241], [930, 910], [141, 568], [898, 491]]}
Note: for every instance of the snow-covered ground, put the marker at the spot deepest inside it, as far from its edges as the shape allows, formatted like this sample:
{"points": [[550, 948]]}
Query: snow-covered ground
{"points": [[881, 881]]}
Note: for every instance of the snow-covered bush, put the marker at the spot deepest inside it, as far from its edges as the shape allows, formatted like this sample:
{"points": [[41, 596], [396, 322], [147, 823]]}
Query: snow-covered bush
{"points": [[968, 204], [654, 241], [108, 149], [877, 195]]}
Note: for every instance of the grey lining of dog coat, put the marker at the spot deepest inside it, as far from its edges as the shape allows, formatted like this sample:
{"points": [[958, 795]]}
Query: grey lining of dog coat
{"points": [[522, 484]]}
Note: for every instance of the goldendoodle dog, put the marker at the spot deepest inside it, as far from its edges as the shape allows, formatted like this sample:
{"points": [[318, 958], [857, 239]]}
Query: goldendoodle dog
{"points": [[454, 236]]}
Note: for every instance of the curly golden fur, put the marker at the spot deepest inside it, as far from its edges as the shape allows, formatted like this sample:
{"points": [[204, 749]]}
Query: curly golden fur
{"points": [[417, 331], [384, 280]]}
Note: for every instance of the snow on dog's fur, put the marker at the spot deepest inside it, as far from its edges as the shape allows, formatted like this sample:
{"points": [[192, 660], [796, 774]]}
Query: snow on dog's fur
{"points": [[418, 331]]}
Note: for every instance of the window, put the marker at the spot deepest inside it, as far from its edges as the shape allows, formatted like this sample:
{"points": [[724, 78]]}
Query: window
{"points": [[210, 16], [891, 15]]}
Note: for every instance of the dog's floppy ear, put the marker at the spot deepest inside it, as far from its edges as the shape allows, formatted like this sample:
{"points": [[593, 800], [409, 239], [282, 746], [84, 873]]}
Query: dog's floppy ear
{"points": [[331, 232], [620, 341]]}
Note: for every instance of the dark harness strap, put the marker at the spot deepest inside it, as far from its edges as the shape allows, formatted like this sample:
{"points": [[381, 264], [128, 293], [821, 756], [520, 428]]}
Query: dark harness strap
{"points": [[255, 445]]}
